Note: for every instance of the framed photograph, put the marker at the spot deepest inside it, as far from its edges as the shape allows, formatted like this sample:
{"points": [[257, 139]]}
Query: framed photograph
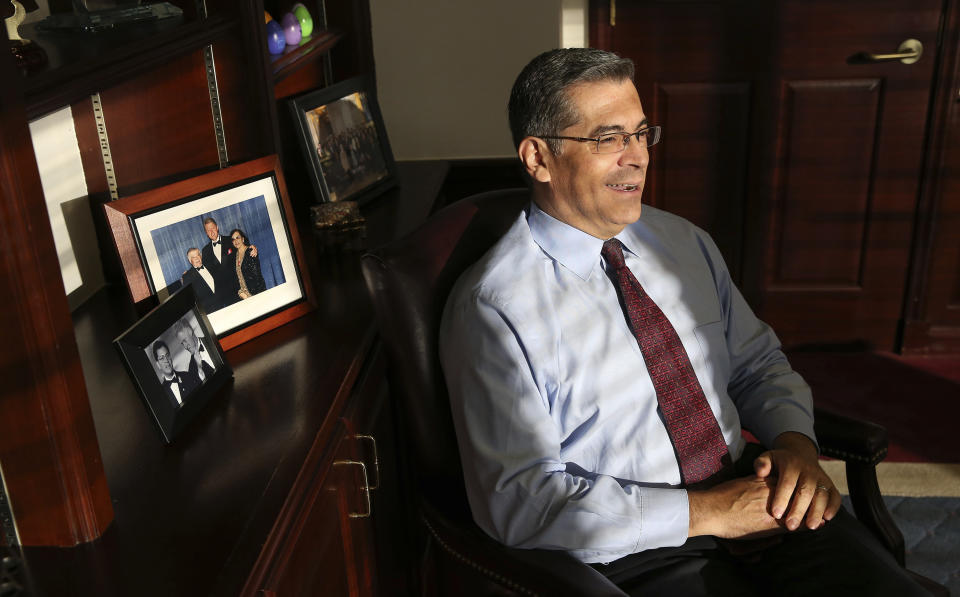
{"points": [[343, 140], [230, 235], [175, 362]]}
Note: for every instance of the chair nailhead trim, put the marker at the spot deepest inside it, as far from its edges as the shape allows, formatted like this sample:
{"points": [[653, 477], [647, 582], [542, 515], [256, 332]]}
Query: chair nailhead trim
{"points": [[483, 570], [843, 455]]}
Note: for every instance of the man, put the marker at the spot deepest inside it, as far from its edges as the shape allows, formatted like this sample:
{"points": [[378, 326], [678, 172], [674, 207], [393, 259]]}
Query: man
{"points": [[220, 257], [600, 363], [177, 385], [200, 277], [201, 364]]}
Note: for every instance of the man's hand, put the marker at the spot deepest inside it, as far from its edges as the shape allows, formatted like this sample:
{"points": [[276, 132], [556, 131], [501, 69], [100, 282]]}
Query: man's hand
{"points": [[253, 250], [737, 509], [803, 489]]}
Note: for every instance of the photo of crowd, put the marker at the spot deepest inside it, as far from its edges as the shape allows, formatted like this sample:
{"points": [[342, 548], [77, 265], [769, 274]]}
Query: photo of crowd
{"points": [[347, 144]]}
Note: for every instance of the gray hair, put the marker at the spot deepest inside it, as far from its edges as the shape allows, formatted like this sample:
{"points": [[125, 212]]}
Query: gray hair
{"points": [[183, 326], [539, 101]]}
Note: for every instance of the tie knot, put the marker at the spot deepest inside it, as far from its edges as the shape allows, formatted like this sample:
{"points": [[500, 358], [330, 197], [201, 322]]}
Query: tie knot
{"points": [[612, 252]]}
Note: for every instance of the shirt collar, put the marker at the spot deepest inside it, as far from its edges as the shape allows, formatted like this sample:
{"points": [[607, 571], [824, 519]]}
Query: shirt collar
{"points": [[571, 247]]}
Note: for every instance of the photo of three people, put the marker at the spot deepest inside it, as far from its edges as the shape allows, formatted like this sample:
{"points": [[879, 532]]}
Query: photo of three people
{"points": [[223, 269]]}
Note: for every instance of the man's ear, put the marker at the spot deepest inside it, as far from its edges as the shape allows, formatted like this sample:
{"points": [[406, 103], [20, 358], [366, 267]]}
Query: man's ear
{"points": [[536, 157]]}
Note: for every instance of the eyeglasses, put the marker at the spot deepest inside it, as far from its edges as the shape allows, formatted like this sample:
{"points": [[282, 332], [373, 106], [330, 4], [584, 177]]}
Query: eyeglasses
{"points": [[617, 142]]}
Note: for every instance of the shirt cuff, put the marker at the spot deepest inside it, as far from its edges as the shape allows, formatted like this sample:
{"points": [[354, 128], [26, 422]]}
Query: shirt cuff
{"points": [[664, 518]]}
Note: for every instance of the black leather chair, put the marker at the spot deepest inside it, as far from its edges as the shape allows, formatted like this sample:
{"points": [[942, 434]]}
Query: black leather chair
{"points": [[409, 281]]}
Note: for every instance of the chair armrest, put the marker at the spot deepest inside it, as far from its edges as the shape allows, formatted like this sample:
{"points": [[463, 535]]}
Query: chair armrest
{"points": [[861, 445], [522, 571], [850, 440]]}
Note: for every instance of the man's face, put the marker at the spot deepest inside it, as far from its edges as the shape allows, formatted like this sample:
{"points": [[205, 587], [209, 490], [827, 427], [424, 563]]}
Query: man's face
{"points": [[213, 232], [195, 259], [188, 340], [598, 193], [163, 360]]}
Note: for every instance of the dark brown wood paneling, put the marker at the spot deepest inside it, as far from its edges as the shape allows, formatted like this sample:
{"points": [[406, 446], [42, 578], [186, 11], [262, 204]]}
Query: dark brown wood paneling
{"points": [[828, 216], [160, 125], [829, 143], [244, 132], [933, 311], [52, 471], [701, 162]]}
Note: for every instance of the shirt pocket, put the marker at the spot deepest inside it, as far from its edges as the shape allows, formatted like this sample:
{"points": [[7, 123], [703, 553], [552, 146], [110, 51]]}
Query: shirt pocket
{"points": [[716, 357]]}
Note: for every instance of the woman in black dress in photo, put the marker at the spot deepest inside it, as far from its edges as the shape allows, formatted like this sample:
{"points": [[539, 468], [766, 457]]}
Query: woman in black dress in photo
{"points": [[248, 266]]}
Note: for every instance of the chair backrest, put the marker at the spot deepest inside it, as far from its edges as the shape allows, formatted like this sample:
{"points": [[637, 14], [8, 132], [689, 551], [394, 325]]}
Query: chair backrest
{"points": [[409, 281]]}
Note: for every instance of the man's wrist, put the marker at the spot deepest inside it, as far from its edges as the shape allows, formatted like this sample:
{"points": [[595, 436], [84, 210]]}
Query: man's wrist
{"points": [[797, 443], [699, 513]]}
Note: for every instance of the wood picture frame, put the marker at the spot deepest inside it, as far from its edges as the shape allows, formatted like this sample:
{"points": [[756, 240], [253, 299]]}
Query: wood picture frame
{"points": [[344, 142], [175, 361], [158, 232]]}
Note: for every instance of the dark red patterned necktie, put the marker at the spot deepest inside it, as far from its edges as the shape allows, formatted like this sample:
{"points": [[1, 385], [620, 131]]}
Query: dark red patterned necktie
{"points": [[700, 447]]}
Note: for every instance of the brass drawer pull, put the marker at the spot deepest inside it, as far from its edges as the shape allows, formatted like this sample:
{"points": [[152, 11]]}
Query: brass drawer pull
{"points": [[376, 458], [366, 487]]}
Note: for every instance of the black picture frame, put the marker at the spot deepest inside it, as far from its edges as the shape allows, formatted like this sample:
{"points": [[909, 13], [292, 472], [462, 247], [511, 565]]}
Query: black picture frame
{"points": [[141, 349], [344, 143]]}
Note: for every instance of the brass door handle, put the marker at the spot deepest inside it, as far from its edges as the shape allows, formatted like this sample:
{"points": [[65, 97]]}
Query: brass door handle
{"points": [[909, 52]]}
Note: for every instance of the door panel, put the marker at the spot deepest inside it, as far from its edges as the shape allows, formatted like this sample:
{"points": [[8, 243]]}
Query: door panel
{"points": [[818, 180], [825, 184]]}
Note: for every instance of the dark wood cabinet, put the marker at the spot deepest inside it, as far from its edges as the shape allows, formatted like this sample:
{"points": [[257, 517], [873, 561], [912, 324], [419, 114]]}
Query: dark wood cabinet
{"points": [[288, 482], [266, 491], [327, 538]]}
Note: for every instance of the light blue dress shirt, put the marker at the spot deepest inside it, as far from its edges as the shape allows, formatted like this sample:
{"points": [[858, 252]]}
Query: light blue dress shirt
{"points": [[562, 443]]}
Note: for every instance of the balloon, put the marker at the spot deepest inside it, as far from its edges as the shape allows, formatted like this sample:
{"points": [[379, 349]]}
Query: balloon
{"points": [[291, 29], [306, 21], [276, 42]]}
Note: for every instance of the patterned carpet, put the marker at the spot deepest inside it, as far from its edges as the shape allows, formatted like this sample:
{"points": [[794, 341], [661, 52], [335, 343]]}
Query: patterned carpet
{"points": [[918, 400], [931, 536]]}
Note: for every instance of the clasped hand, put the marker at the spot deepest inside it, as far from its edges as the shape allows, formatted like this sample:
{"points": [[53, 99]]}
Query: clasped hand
{"points": [[804, 493], [789, 488]]}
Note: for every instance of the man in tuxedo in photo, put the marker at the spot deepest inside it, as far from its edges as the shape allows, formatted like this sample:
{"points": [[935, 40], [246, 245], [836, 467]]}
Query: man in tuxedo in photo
{"points": [[201, 364], [177, 385], [201, 278], [219, 257]]}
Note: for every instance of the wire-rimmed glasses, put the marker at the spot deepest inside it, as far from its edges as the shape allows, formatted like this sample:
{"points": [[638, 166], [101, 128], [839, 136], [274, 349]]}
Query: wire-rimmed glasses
{"points": [[617, 142]]}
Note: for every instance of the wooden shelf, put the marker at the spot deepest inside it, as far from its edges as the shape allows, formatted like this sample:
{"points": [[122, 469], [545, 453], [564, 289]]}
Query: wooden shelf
{"points": [[81, 64], [295, 57], [197, 517]]}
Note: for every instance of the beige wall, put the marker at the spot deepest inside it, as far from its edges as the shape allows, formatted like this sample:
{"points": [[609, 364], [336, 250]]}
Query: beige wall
{"points": [[445, 67]]}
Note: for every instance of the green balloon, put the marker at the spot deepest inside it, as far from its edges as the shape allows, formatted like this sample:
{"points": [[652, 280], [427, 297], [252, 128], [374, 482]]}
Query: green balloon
{"points": [[306, 21]]}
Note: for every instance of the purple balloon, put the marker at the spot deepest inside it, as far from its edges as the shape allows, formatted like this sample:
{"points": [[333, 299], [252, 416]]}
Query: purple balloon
{"points": [[275, 39], [291, 29]]}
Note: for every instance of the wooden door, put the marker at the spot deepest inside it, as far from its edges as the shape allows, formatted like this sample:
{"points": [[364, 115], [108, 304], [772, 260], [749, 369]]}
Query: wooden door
{"points": [[801, 158]]}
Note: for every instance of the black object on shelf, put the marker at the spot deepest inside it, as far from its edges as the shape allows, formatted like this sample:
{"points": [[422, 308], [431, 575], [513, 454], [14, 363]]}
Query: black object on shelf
{"points": [[93, 21]]}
